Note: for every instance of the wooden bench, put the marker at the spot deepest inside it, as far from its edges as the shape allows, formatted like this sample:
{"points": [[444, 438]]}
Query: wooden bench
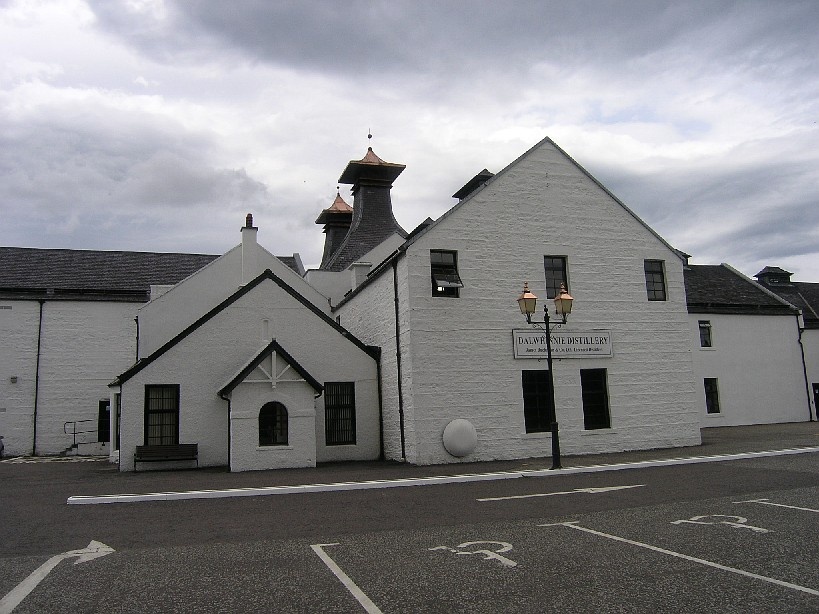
{"points": [[167, 452]]}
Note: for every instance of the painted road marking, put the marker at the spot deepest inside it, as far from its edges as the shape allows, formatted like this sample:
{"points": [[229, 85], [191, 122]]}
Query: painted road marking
{"points": [[427, 481], [768, 502], [94, 550], [738, 523], [487, 554], [351, 586], [564, 492], [574, 525]]}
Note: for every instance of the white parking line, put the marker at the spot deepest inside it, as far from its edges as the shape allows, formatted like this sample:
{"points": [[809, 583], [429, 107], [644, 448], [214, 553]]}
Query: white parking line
{"points": [[768, 502], [693, 559], [351, 586], [592, 491]]}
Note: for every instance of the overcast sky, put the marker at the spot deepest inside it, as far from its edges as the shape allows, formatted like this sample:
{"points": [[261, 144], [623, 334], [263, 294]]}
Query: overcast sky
{"points": [[155, 125]]}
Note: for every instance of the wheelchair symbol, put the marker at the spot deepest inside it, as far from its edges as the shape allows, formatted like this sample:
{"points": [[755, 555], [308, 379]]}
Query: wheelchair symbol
{"points": [[494, 554]]}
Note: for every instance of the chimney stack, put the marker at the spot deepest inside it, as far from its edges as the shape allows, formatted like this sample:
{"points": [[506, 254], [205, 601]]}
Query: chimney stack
{"points": [[373, 219], [249, 250]]}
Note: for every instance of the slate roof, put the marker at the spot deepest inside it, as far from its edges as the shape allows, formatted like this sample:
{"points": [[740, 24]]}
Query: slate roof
{"points": [[721, 289], [70, 274], [802, 294]]}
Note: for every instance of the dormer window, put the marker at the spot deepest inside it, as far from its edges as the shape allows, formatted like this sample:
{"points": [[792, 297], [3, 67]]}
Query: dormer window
{"points": [[444, 269]]}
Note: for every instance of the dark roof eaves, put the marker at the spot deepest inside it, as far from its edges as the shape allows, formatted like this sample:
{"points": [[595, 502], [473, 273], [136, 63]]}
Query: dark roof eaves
{"points": [[269, 349], [267, 274]]}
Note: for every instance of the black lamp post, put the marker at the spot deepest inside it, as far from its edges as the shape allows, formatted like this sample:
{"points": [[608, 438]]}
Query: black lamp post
{"points": [[563, 307]]}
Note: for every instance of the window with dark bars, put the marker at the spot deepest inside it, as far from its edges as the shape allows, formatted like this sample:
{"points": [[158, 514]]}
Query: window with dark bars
{"points": [[655, 280], [273, 425], [161, 415], [537, 410], [339, 413], [555, 269], [705, 333], [711, 395]]}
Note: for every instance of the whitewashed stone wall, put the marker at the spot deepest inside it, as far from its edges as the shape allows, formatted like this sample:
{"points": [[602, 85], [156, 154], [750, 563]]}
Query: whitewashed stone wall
{"points": [[758, 365], [461, 363], [371, 317], [163, 318], [83, 346], [246, 401], [810, 343], [209, 357]]}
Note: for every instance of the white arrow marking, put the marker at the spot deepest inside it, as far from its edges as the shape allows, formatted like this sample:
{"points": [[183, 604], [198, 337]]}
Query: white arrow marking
{"points": [[565, 492], [94, 550]]}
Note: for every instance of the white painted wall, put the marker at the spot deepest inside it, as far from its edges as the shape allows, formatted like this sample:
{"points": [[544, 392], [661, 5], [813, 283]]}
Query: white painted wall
{"points": [[459, 351], [83, 346], [246, 401], [209, 357], [757, 363], [161, 319]]}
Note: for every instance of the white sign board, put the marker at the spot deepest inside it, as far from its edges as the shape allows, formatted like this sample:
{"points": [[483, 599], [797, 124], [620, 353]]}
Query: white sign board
{"points": [[531, 343]]}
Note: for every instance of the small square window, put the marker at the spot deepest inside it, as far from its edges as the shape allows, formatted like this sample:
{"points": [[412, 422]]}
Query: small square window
{"points": [[655, 280], [444, 269], [705, 334]]}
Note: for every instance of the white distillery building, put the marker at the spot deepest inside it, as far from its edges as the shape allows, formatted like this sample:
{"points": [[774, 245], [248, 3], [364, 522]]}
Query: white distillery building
{"points": [[405, 346]]}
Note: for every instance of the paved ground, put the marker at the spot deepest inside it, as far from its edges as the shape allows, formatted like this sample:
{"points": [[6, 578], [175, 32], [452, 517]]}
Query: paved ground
{"points": [[715, 441]]}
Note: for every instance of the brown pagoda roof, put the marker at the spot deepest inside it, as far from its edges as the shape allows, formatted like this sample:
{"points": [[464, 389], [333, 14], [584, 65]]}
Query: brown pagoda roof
{"points": [[370, 167]]}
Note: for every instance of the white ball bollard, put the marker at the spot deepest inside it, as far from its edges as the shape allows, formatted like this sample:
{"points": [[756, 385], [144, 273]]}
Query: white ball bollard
{"points": [[460, 437]]}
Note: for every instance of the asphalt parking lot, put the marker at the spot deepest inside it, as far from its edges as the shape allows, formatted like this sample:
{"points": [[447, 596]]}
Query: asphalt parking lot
{"points": [[727, 536]]}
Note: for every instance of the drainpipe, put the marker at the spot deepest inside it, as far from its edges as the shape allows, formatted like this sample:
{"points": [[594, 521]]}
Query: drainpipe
{"points": [[398, 359], [37, 378], [136, 319], [804, 369], [380, 409]]}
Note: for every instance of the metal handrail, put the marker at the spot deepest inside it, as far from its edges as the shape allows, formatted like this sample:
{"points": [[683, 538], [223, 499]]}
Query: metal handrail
{"points": [[74, 432]]}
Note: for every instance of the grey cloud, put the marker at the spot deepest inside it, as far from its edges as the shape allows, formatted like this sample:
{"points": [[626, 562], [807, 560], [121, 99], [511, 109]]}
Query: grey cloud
{"points": [[367, 37]]}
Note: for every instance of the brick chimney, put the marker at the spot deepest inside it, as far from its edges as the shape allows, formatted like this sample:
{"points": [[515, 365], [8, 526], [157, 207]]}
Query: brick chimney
{"points": [[373, 219], [336, 219], [249, 250]]}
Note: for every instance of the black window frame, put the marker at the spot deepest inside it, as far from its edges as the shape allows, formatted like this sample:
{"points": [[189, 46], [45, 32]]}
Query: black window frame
{"points": [[443, 265], [339, 414], [104, 421], [273, 425], [706, 334], [171, 399], [655, 280], [538, 412], [595, 394], [711, 387], [555, 272]]}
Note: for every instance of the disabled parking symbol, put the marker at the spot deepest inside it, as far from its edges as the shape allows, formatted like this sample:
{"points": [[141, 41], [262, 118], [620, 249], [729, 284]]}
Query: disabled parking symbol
{"points": [[494, 554]]}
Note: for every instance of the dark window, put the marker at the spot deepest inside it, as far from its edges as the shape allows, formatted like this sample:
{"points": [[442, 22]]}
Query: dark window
{"points": [[104, 421], [595, 399], [655, 280], [161, 415], [273, 425], [339, 413], [118, 410], [705, 334], [444, 268], [537, 402], [711, 395], [555, 268]]}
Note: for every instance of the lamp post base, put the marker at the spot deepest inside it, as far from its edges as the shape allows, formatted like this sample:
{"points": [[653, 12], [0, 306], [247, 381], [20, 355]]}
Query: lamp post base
{"points": [[555, 448]]}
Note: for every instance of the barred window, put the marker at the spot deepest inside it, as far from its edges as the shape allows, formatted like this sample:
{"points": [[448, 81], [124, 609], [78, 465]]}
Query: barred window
{"points": [[555, 269], [339, 413], [273, 425], [655, 280], [705, 334], [161, 415], [711, 395]]}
